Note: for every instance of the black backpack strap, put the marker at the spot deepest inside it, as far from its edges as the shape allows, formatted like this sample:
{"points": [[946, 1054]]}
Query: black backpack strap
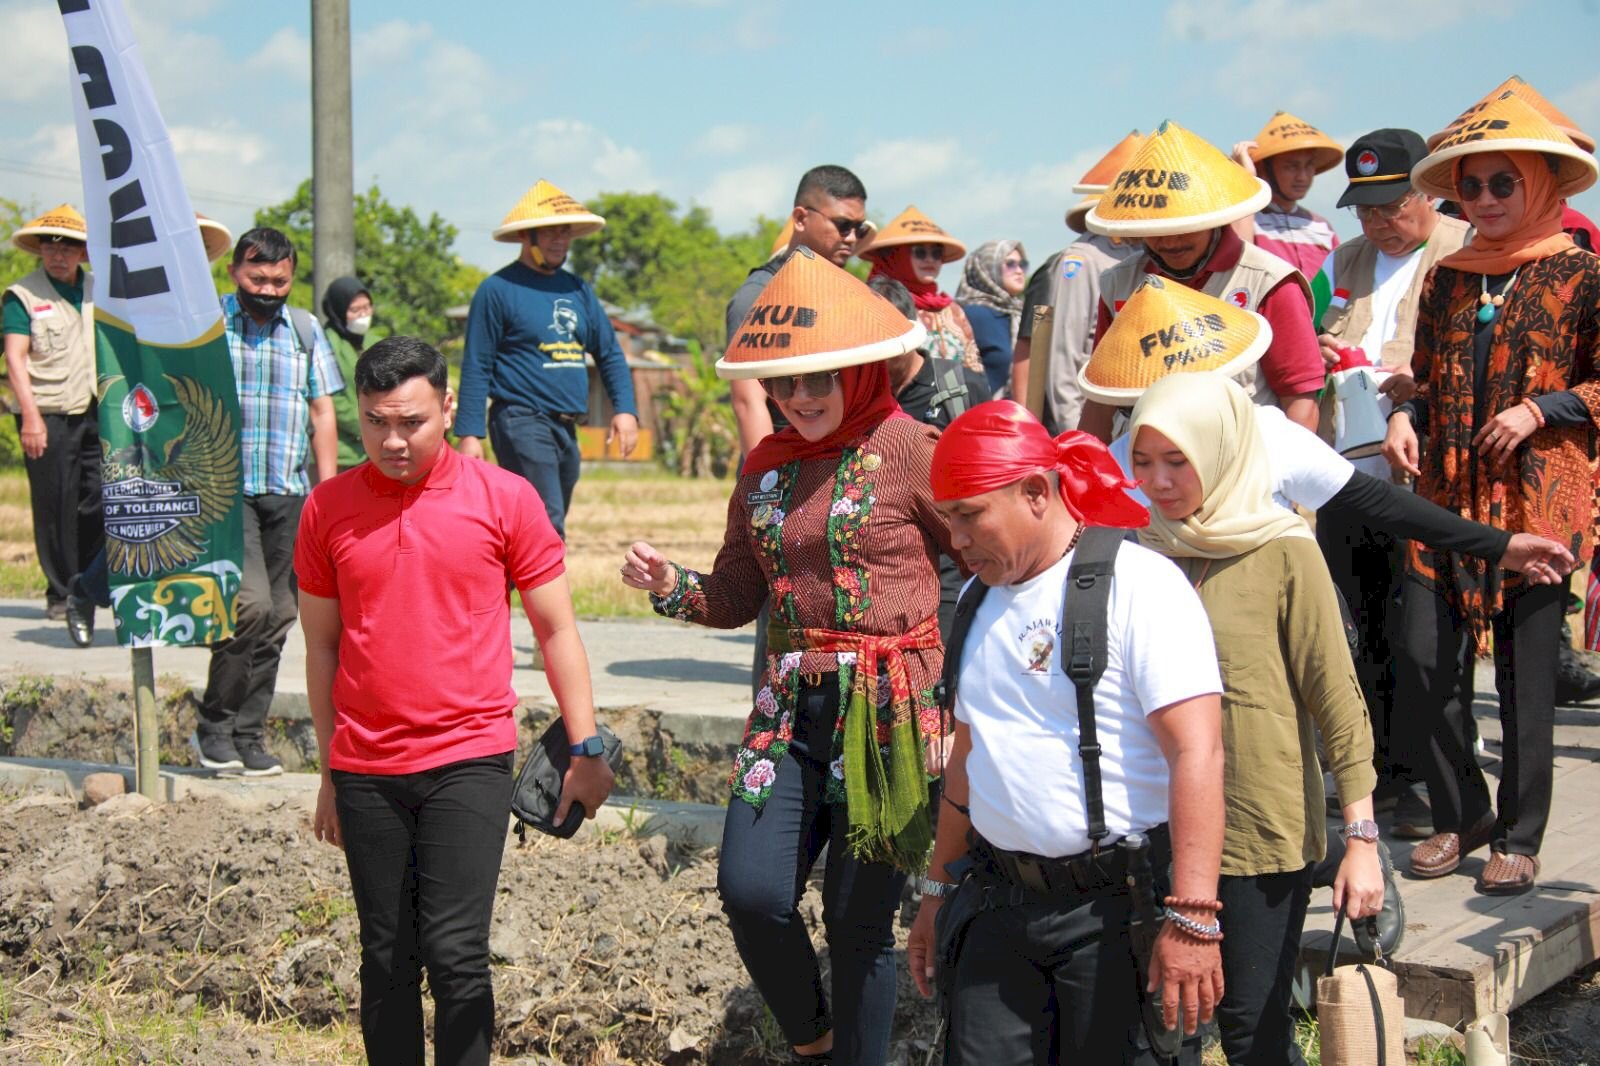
{"points": [[1084, 631], [966, 609], [950, 388]]}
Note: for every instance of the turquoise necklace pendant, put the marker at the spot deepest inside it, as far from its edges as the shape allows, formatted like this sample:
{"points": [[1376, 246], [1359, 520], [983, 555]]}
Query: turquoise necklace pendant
{"points": [[1489, 306]]}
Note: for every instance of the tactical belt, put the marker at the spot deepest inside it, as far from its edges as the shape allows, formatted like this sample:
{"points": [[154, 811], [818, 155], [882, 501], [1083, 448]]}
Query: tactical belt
{"points": [[1087, 875]]}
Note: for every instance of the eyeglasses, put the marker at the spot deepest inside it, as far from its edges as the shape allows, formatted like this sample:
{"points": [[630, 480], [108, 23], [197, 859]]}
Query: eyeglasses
{"points": [[816, 385], [847, 227], [1015, 264], [928, 251], [1500, 186], [1386, 212]]}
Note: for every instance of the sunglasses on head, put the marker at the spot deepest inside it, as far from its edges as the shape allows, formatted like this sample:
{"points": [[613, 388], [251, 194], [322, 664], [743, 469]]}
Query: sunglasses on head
{"points": [[815, 385], [847, 227], [927, 251], [1500, 186]]}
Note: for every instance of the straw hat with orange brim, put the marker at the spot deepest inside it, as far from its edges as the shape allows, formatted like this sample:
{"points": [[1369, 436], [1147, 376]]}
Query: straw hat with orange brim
{"points": [[1176, 183], [781, 242], [1506, 124], [912, 227], [62, 221], [1078, 212], [1531, 96], [811, 317], [216, 237], [1098, 178], [546, 205], [1287, 133], [1168, 328]]}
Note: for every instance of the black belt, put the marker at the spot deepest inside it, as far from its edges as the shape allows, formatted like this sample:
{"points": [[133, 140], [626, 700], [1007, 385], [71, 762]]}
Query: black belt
{"points": [[1087, 874], [566, 418]]}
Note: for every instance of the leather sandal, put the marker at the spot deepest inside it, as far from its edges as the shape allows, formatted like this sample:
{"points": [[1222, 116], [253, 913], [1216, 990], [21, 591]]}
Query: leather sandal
{"points": [[1507, 874], [1441, 853]]}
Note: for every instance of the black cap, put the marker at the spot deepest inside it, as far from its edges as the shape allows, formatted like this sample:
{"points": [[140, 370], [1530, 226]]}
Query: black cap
{"points": [[1379, 167]]}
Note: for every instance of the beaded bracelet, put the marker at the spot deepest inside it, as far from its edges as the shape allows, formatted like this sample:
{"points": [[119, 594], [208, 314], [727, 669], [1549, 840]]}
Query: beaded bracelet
{"points": [[1212, 905], [1538, 415], [1208, 933]]}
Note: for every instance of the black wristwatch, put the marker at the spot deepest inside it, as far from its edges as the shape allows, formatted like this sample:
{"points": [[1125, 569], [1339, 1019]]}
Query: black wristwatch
{"points": [[591, 747]]}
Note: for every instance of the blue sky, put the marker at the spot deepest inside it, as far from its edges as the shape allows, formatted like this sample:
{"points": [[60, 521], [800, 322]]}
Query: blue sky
{"points": [[983, 114]]}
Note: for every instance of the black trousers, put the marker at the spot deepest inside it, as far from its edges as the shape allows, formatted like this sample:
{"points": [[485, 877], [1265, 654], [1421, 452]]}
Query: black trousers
{"points": [[424, 854], [244, 668], [64, 492], [1262, 918], [1434, 681]]}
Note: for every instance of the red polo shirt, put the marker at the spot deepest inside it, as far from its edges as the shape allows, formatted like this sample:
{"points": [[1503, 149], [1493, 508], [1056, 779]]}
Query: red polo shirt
{"points": [[420, 574]]}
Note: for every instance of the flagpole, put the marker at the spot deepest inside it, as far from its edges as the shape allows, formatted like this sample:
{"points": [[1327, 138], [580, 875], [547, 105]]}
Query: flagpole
{"points": [[146, 730]]}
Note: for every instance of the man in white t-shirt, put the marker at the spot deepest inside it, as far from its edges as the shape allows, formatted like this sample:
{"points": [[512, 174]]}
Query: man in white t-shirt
{"points": [[1047, 963]]}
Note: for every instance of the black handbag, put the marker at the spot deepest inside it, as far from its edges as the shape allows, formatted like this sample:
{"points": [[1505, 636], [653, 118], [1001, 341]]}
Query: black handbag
{"points": [[538, 790]]}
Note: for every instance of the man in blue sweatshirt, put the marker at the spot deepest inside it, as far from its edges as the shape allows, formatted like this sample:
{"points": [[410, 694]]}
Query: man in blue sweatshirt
{"points": [[529, 328]]}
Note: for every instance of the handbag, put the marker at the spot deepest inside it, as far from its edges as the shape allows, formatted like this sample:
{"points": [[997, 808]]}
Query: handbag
{"points": [[538, 790], [1360, 1012]]}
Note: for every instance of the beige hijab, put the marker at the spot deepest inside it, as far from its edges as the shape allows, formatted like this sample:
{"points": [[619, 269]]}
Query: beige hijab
{"points": [[1213, 423]]}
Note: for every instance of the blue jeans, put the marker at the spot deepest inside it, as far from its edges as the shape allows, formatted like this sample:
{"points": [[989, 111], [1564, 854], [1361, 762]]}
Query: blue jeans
{"points": [[767, 855], [542, 449]]}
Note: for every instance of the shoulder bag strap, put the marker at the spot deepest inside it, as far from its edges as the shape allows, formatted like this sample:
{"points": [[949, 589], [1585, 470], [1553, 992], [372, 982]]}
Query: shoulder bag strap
{"points": [[1084, 630], [966, 608]]}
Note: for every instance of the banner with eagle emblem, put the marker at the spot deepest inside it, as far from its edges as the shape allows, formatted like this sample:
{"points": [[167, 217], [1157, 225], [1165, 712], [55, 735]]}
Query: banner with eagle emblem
{"points": [[169, 412]]}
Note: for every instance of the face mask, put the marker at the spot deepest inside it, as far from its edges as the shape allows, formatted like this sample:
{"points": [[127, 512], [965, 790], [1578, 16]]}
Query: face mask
{"points": [[260, 306], [359, 326]]}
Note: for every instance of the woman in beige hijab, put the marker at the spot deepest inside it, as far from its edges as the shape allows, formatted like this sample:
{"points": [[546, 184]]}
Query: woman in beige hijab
{"points": [[1286, 671]]}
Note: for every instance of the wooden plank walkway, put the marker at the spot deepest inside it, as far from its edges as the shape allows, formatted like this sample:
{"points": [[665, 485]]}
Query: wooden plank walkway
{"points": [[1466, 954]]}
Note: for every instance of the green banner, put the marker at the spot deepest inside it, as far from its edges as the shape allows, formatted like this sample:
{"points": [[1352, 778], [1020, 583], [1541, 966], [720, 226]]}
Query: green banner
{"points": [[169, 444]]}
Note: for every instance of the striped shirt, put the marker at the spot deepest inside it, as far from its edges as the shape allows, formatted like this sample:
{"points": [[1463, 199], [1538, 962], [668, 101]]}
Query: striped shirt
{"points": [[277, 380], [1301, 238]]}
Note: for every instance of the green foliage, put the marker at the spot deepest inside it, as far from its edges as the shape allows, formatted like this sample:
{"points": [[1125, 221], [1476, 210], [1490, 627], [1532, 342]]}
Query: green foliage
{"points": [[406, 262], [14, 262], [699, 435]]}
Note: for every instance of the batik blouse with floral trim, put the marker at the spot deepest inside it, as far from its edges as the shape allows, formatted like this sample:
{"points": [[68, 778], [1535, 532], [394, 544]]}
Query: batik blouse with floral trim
{"points": [[846, 544]]}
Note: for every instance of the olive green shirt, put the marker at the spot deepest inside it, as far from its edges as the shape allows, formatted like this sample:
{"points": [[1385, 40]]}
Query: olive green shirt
{"points": [[1275, 692], [346, 408]]}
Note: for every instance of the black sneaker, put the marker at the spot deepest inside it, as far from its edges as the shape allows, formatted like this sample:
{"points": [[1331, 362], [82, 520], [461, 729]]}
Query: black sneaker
{"points": [[216, 753], [1413, 815], [258, 761]]}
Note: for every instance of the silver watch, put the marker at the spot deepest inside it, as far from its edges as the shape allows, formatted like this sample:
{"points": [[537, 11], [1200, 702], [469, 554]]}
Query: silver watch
{"points": [[1365, 829], [936, 889]]}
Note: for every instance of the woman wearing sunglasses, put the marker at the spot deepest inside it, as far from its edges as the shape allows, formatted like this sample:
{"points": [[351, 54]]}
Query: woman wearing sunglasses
{"points": [[1504, 363], [833, 519], [912, 249], [990, 294]]}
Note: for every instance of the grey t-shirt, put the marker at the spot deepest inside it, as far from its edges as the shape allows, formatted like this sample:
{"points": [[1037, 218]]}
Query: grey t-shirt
{"points": [[753, 285]]}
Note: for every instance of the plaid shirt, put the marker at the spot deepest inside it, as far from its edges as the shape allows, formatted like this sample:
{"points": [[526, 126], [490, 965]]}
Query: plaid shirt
{"points": [[276, 382]]}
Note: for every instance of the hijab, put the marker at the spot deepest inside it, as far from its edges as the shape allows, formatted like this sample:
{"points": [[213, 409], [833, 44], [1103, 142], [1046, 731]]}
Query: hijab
{"points": [[1539, 235], [982, 282], [896, 263], [336, 302], [867, 402], [1213, 423]]}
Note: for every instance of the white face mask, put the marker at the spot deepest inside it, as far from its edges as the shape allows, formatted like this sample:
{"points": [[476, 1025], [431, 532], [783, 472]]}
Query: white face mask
{"points": [[359, 326]]}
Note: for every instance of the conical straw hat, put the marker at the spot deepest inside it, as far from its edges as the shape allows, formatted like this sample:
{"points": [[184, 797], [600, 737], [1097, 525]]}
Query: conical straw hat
{"points": [[1098, 178], [218, 240], [1168, 328], [813, 316], [1287, 133], [1531, 96], [546, 205], [1079, 211], [62, 221], [785, 235], [1176, 183], [911, 227], [1506, 124]]}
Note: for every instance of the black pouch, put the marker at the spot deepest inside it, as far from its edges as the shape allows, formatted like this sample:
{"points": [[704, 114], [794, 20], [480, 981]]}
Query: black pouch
{"points": [[950, 927], [538, 791]]}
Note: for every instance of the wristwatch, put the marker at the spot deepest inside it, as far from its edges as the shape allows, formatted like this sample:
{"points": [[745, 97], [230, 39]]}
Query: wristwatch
{"points": [[1366, 829], [936, 889], [593, 746]]}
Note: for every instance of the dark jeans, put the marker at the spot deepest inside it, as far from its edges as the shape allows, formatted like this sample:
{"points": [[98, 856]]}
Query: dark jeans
{"points": [[424, 855], [244, 668], [64, 492], [542, 449], [767, 856], [1262, 918], [1435, 681]]}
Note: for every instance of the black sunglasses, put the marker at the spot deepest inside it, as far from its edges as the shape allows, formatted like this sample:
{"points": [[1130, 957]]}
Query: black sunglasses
{"points": [[1500, 186], [815, 385], [845, 226]]}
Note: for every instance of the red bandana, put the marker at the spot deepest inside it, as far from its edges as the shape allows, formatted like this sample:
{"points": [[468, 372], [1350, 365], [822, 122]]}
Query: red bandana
{"points": [[999, 443]]}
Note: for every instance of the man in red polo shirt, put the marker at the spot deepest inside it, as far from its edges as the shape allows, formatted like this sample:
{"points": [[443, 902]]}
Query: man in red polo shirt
{"points": [[403, 563]]}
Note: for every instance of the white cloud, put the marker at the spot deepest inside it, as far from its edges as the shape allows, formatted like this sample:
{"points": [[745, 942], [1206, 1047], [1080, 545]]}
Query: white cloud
{"points": [[36, 64], [907, 165], [286, 54], [736, 197], [728, 138]]}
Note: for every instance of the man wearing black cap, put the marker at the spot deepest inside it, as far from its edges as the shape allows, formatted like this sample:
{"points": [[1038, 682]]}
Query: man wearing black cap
{"points": [[1366, 296]]}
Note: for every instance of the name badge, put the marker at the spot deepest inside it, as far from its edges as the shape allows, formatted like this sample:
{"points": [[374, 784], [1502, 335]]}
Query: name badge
{"points": [[764, 497]]}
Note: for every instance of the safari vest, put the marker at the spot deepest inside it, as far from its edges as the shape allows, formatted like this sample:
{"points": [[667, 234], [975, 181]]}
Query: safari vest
{"points": [[1353, 269], [61, 345], [1250, 281]]}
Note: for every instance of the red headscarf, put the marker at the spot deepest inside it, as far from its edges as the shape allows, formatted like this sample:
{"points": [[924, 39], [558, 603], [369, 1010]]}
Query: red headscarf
{"points": [[867, 401], [896, 264], [1537, 236], [999, 443]]}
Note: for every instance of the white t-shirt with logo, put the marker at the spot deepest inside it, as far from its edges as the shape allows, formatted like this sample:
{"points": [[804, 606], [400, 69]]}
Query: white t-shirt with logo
{"points": [[1025, 774], [1305, 470]]}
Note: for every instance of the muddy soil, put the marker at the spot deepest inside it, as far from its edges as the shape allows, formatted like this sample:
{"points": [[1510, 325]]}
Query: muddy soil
{"points": [[605, 949]]}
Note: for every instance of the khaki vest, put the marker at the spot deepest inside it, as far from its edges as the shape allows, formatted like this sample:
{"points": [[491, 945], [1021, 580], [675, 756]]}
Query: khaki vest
{"points": [[61, 352], [1255, 275], [1354, 268], [1076, 303]]}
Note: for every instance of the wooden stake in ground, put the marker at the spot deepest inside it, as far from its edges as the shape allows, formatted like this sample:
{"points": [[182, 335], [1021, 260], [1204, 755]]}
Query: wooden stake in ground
{"points": [[146, 730]]}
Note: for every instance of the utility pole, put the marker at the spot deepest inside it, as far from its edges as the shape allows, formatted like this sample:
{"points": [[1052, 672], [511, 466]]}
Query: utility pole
{"points": [[333, 230]]}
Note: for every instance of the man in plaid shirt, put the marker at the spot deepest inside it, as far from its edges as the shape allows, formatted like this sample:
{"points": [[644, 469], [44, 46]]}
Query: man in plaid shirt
{"points": [[286, 373]]}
